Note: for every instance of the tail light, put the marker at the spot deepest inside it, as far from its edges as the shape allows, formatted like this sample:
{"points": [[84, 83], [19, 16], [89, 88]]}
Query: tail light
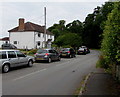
{"points": [[46, 54], [68, 51]]}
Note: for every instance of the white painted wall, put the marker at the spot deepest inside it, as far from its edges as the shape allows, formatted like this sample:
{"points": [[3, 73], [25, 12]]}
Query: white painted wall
{"points": [[37, 39], [24, 39], [28, 40], [41, 39]]}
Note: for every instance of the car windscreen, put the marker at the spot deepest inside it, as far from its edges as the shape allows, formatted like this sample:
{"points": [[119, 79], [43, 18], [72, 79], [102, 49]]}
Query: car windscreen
{"points": [[81, 48], [3, 55], [42, 51], [65, 49]]}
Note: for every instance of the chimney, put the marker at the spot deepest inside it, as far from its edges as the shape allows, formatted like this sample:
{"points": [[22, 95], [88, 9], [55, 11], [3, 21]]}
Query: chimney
{"points": [[21, 24]]}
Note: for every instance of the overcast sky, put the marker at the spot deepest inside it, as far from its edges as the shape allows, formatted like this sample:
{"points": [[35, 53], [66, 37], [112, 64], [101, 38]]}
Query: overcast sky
{"points": [[34, 12]]}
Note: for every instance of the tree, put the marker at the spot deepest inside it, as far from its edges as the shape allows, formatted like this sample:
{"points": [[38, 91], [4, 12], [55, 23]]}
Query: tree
{"points": [[56, 32], [69, 39], [94, 23], [58, 29], [111, 41], [75, 27], [69, 35]]}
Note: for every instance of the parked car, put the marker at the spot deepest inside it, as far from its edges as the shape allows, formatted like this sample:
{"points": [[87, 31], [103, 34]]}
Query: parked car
{"points": [[86, 48], [8, 46], [81, 51], [47, 55], [67, 52], [14, 58]]}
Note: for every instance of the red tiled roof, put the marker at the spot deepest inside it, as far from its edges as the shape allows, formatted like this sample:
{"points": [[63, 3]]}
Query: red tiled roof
{"points": [[5, 39], [31, 27]]}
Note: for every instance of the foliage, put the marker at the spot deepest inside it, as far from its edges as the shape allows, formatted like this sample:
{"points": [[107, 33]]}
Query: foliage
{"points": [[101, 63], [69, 35], [94, 23], [90, 31], [33, 51], [69, 39], [111, 41], [75, 27]]}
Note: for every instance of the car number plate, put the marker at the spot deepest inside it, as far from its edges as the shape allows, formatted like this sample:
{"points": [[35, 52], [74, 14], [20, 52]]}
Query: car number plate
{"points": [[63, 54]]}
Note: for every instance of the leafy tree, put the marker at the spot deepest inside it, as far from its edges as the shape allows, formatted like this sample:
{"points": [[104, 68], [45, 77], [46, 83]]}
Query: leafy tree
{"points": [[58, 29], [56, 32], [69, 39], [94, 23], [75, 27], [70, 35], [111, 41]]}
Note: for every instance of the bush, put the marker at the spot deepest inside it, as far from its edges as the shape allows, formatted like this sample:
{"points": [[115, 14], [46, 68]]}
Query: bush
{"points": [[33, 51], [102, 63]]}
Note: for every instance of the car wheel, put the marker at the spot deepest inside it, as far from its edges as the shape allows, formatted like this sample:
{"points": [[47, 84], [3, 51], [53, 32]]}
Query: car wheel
{"points": [[5, 68], [70, 56], [49, 60], [30, 63]]}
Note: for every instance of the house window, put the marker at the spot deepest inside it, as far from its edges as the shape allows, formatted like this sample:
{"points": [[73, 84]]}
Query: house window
{"points": [[39, 34], [38, 43], [15, 42]]}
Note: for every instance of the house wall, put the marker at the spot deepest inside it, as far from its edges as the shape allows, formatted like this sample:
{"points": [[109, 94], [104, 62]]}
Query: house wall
{"points": [[29, 40], [50, 37], [25, 40], [39, 39]]}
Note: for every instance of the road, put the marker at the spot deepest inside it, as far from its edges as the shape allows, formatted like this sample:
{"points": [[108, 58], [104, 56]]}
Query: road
{"points": [[56, 78]]}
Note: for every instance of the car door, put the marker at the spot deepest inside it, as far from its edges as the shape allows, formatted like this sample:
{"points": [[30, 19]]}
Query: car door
{"points": [[13, 59], [22, 58]]}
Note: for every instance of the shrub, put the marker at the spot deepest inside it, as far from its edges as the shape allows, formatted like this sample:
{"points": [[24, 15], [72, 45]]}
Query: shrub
{"points": [[102, 63], [33, 51]]}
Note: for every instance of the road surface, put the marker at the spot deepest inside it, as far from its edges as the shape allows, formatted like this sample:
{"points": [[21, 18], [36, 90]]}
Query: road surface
{"points": [[56, 78]]}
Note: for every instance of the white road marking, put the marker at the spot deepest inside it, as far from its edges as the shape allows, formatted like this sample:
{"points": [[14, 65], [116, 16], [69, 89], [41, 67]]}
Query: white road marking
{"points": [[66, 63], [29, 74]]}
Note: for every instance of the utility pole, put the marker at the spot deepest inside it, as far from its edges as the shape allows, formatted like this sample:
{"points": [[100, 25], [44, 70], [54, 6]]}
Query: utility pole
{"points": [[45, 26]]}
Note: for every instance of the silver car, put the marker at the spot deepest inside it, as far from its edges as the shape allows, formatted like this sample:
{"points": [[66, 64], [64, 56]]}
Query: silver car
{"points": [[14, 58]]}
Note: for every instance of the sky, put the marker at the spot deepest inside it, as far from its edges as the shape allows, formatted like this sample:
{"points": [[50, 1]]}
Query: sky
{"points": [[33, 11]]}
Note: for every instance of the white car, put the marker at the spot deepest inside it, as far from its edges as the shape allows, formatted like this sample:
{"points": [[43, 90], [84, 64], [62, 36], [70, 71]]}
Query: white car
{"points": [[86, 48], [14, 58], [81, 51]]}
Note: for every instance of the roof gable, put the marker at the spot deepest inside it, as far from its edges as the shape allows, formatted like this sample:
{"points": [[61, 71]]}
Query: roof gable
{"points": [[5, 39]]}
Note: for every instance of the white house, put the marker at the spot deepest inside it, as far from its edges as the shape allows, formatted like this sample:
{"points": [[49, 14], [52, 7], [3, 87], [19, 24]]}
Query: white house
{"points": [[30, 36]]}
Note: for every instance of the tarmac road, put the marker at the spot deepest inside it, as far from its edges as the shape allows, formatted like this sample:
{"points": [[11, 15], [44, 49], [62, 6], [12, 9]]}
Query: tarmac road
{"points": [[56, 78]]}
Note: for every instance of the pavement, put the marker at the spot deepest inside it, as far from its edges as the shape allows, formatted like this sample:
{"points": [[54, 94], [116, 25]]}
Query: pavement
{"points": [[101, 83]]}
